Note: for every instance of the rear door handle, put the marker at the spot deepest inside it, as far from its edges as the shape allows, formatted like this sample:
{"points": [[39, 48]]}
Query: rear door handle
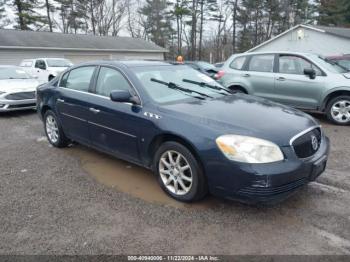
{"points": [[94, 110], [60, 100], [281, 79], [246, 75]]}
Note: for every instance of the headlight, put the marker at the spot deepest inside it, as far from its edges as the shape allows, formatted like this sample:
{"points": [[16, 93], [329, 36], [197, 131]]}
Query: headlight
{"points": [[249, 149]]}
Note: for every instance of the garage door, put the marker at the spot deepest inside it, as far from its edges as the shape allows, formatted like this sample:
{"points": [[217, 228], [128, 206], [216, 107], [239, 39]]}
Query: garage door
{"points": [[86, 58]]}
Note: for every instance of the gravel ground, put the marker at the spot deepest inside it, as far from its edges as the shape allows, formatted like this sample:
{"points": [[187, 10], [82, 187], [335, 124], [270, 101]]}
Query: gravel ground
{"points": [[77, 201]]}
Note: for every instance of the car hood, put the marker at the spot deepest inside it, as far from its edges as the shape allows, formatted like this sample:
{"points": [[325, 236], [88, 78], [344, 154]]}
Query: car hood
{"points": [[244, 115], [18, 85]]}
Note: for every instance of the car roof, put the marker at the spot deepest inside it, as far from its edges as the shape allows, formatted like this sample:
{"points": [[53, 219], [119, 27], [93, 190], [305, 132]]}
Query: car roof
{"points": [[275, 52], [129, 63]]}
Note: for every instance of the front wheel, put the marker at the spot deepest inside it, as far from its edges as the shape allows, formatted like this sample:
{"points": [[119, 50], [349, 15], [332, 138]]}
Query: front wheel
{"points": [[338, 110], [54, 130], [179, 173]]}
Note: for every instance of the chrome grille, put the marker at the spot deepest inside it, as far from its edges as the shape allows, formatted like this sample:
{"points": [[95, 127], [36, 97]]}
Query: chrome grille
{"points": [[307, 144]]}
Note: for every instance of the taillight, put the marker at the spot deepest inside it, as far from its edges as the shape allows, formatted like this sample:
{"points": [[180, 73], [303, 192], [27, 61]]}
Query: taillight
{"points": [[219, 74]]}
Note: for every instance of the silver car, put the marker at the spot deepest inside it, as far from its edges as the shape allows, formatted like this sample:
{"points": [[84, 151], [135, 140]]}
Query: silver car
{"points": [[17, 89], [305, 81]]}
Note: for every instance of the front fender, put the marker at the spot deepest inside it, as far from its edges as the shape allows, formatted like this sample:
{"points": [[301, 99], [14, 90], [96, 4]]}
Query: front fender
{"points": [[329, 92], [239, 83]]}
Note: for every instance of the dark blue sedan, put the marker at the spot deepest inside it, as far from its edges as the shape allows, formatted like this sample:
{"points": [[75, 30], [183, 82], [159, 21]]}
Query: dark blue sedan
{"points": [[195, 135]]}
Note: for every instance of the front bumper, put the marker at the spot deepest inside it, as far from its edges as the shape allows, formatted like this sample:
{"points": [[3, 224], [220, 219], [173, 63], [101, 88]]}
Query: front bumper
{"points": [[266, 183], [14, 105]]}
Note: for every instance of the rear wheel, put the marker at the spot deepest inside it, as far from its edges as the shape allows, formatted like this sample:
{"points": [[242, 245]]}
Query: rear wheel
{"points": [[179, 173], [54, 130], [338, 110]]}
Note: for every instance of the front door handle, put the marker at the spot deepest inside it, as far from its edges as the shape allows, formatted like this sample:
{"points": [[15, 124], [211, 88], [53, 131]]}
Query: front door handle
{"points": [[94, 110], [246, 75], [281, 79], [60, 100]]}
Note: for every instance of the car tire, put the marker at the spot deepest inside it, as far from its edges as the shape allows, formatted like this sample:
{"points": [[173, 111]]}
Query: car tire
{"points": [[237, 90], [51, 77], [338, 110], [53, 130], [179, 173]]}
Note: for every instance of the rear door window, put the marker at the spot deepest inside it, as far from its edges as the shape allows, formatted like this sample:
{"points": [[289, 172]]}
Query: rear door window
{"points": [[261, 63]]}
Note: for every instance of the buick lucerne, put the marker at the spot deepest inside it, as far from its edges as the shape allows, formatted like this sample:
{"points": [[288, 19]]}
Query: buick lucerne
{"points": [[195, 135]]}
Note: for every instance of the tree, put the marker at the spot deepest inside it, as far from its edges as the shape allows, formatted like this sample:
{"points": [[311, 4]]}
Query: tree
{"points": [[179, 11], [157, 24], [72, 17], [26, 16], [333, 12], [49, 9], [2, 13]]}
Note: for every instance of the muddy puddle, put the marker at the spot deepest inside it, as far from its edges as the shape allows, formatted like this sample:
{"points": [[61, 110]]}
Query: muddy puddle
{"points": [[131, 179]]}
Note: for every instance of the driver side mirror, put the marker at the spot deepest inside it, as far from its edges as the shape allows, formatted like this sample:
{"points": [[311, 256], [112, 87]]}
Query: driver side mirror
{"points": [[124, 96], [310, 72]]}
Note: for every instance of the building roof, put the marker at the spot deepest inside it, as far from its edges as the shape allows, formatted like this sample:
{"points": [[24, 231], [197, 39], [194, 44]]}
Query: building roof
{"points": [[57, 41], [337, 31]]}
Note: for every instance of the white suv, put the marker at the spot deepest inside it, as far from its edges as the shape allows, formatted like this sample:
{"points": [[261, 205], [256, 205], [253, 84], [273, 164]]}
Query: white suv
{"points": [[45, 69]]}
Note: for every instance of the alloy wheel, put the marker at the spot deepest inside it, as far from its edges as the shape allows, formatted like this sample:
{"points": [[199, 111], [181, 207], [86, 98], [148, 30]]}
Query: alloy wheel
{"points": [[340, 111], [52, 129], [175, 172]]}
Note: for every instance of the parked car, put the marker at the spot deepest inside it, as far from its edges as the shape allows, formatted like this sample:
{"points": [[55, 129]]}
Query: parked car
{"points": [[219, 65], [343, 61], [304, 81], [17, 89], [206, 68], [194, 134], [45, 69]]}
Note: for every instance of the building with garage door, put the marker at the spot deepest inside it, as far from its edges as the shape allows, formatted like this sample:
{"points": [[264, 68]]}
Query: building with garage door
{"points": [[17, 45], [322, 40]]}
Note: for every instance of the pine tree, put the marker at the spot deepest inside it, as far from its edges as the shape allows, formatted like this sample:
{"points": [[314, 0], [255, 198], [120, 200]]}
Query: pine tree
{"points": [[157, 21], [71, 16], [334, 12], [26, 14], [2, 11]]}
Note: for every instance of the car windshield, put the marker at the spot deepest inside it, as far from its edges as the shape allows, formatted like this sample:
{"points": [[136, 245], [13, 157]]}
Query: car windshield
{"points": [[173, 74], [13, 73], [329, 65], [58, 63], [343, 63]]}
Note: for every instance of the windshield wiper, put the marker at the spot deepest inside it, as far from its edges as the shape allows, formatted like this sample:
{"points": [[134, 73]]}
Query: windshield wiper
{"points": [[203, 84], [172, 85]]}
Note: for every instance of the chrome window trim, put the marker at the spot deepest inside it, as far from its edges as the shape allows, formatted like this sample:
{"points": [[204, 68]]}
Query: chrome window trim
{"points": [[94, 94], [104, 97]]}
